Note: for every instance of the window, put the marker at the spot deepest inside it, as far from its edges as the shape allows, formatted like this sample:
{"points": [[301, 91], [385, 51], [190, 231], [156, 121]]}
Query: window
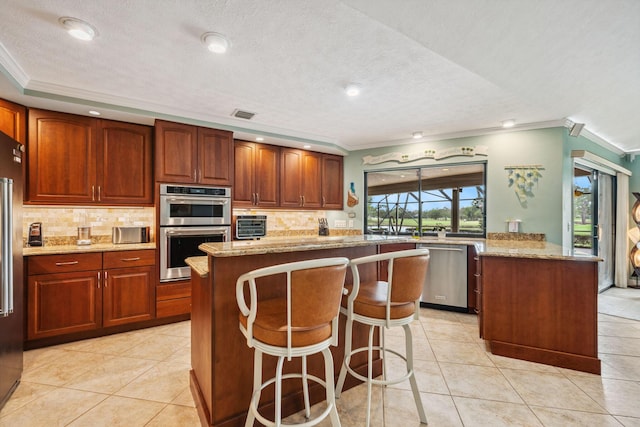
{"points": [[421, 201]]}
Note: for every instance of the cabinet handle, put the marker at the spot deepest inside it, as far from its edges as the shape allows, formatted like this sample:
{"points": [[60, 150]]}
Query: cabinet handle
{"points": [[60, 264], [477, 291], [324, 202], [105, 280], [475, 258], [137, 258], [477, 275], [257, 198], [195, 175], [98, 280], [476, 311], [93, 193], [99, 193]]}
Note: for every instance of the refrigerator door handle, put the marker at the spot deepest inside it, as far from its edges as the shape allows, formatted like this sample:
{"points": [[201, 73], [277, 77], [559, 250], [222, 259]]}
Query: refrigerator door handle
{"points": [[6, 249]]}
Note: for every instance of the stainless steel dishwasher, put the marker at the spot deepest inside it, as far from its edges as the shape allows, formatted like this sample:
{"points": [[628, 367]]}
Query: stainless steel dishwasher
{"points": [[446, 282]]}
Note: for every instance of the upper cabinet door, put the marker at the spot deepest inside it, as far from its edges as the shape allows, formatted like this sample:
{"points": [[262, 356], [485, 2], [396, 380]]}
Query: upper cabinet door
{"points": [[13, 120], [125, 163], [332, 182], [215, 157], [244, 174], [176, 152], [61, 154], [267, 175], [311, 180], [292, 163]]}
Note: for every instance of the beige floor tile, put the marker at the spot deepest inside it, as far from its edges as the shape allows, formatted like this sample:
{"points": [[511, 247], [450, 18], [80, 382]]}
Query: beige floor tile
{"points": [[612, 395], [551, 417], [428, 375], [628, 421], [182, 355], [619, 345], [400, 409], [157, 347], [175, 415], [111, 375], [613, 329], [41, 356], [421, 347], [112, 344], [185, 398], [56, 408], [180, 329], [620, 367], [119, 412], [449, 331], [162, 383], [352, 406], [549, 389], [65, 368], [460, 352], [509, 363], [432, 315], [477, 412], [482, 382], [24, 394]]}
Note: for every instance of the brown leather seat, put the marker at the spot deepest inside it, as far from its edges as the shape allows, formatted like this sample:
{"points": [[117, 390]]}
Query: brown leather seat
{"points": [[385, 304], [301, 321]]}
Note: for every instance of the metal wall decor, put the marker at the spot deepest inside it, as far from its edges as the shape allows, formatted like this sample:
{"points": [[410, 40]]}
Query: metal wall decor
{"points": [[523, 179]]}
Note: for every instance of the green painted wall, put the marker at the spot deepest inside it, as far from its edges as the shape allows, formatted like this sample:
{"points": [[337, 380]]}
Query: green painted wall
{"points": [[548, 211]]}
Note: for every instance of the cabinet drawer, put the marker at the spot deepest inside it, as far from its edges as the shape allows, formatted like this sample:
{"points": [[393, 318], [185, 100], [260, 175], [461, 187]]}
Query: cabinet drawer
{"points": [[46, 264], [123, 259]]}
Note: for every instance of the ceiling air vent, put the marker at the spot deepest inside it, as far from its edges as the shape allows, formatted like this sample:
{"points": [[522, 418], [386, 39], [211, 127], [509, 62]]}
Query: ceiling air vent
{"points": [[243, 114]]}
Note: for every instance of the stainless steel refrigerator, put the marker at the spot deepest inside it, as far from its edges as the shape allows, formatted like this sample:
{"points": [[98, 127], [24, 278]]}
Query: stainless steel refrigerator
{"points": [[11, 291]]}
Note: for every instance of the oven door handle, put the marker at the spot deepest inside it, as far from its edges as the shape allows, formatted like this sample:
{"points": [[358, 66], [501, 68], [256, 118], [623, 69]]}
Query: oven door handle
{"points": [[184, 200], [198, 231]]}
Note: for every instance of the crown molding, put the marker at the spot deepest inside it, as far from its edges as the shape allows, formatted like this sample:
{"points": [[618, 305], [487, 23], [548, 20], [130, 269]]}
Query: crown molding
{"points": [[12, 69]]}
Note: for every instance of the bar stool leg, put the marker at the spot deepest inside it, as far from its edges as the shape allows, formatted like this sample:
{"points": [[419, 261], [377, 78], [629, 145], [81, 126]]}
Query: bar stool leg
{"points": [[384, 353], [330, 392], [278, 396], [305, 388], [369, 373], [412, 377], [257, 385], [347, 357]]}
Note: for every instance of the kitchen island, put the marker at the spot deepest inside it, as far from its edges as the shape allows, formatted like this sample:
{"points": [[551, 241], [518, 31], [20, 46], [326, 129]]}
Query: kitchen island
{"points": [[539, 302], [222, 364]]}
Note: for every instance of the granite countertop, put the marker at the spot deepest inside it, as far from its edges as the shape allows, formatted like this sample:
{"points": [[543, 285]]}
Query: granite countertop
{"points": [[530, 249], [199, 264], [288, 244], [75, 249]]}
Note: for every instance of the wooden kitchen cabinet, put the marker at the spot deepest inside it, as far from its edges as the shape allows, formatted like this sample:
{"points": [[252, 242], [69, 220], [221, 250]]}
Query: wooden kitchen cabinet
{"points": [[332, 182], [129, 287], [125, 163], [188, 154], [81, 160], [256, 175], [13, 120], [74, 293], [311, 180], [64, 294]]}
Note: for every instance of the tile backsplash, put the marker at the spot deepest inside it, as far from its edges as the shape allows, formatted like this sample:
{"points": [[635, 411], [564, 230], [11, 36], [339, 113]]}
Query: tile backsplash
{"points": [[60, 224]]}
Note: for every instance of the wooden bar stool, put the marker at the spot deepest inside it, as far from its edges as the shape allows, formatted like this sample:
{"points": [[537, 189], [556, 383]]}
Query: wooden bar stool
{"points": [[298, 324], [395, 302]]}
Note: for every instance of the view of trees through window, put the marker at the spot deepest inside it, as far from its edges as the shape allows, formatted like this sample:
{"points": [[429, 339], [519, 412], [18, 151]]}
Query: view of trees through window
{"points": [[422, 201], [582, 211]]}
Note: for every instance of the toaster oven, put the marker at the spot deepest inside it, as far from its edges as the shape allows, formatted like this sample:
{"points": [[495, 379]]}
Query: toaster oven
{"points": [[251, 226]]}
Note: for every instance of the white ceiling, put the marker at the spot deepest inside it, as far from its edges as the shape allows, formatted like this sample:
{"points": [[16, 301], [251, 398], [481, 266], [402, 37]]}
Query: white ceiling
{"points": [[443, 67]]}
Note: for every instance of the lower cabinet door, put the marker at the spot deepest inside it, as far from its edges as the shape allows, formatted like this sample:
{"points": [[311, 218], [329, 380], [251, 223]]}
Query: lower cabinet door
{"points": [[63, 303], [129, 295]]}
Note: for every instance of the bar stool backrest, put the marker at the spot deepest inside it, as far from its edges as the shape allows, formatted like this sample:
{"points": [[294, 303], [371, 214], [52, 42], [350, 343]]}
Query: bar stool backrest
{"points": [[406, 277], [316, 295]]}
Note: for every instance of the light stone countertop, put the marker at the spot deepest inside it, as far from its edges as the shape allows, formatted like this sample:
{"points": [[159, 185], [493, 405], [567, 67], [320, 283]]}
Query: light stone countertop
{"points": [[288, 244], [199, 264], [75, 249], [530, 249]]}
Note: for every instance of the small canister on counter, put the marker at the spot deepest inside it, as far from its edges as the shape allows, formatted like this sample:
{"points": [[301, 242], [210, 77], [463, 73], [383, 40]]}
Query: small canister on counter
{"points": [[84, 235]]}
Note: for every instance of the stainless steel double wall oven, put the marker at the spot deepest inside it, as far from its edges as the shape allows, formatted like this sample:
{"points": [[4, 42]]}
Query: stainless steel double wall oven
{"points": [[190, 216]]}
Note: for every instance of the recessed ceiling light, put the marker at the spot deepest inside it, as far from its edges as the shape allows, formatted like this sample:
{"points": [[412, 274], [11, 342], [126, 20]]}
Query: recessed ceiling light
{"points": [[353, 89], [259, 138], [94, 112], [78, 28], [216, 42], [509, 123], [417, 135], [306, 146]]}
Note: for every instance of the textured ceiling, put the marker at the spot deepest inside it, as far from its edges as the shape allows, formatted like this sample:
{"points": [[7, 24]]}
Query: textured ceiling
{"points": [[446, 68]]}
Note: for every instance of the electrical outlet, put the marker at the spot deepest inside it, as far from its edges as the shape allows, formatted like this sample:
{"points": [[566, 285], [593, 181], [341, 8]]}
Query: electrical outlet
{"points": [[340, 223], [350, 223]]}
